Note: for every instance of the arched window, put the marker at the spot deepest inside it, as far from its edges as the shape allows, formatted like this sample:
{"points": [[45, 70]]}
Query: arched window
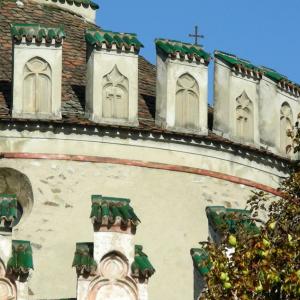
{"points": [[244, 118], [115, 95], [187, 102], [37, 86], [286, 123]]}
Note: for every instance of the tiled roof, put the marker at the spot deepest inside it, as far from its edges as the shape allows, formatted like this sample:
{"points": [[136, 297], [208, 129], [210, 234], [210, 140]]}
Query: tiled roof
{"points": [[21, 260], [84, 3], [173, 48], [109, 211], [141, 267], [230, 219], [108, 38], [201, 260], [8, 208], [83, 258], [37, 31]]}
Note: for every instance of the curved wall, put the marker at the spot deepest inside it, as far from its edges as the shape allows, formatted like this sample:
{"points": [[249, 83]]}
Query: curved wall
{"points": [[170, 182]]}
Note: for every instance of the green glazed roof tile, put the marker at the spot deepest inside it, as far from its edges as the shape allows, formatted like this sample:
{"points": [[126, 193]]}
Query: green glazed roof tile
{"points": [[84, 3], [37, 31], [21, 261], [8, 208], [230, 220], [201, 260], [109, 38], [141, 267], [109, 211], [233, 60], [171, 48], [83, 258]]}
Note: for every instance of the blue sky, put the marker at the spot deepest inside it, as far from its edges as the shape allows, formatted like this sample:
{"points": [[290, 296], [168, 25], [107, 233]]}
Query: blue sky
{"points": [[263, 31]]}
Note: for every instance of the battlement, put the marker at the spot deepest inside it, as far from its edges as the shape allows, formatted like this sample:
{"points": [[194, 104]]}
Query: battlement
{"points": [[53, 80]]}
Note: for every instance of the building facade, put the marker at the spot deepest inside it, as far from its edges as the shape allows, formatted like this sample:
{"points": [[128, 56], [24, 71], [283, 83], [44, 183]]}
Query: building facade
{"points": [[102, 152]]}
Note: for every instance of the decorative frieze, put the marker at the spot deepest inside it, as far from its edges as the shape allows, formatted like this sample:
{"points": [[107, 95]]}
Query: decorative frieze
{"points": [[112, 77], [181, 87], [37, 68]]}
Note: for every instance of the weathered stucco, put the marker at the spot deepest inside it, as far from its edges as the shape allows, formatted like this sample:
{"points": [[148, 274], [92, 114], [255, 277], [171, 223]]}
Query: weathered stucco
{"points": [[171, 205]]}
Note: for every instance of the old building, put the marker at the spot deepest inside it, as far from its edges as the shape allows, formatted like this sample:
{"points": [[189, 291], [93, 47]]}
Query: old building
{"points": [[102, 152]]}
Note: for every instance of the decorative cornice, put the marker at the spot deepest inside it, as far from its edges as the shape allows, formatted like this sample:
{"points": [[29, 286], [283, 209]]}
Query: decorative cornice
{"points": [[179, 50], [83, 3], [108, 40], [37, 33]]}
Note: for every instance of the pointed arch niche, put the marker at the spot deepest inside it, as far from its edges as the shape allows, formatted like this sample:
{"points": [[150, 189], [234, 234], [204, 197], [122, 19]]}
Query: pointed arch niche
{"points": [[286, 123], [244, 118], [187, 102], [115, 95], [114, 282], [37, 87]]}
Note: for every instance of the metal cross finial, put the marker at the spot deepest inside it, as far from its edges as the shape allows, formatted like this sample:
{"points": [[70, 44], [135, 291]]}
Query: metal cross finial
{"points": [[196, 35]]}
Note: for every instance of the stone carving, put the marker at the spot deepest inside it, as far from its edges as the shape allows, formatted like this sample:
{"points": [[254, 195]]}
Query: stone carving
{"points": [[244, 118], [115, 95], [187, 102], [37, 86], [114, 283], [286, 123]]}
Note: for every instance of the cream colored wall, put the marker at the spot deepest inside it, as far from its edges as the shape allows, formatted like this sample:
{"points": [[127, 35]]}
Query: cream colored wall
{"points": [[53, 56], [101, 63], [170, 205], [144, 148], [168, 72]]}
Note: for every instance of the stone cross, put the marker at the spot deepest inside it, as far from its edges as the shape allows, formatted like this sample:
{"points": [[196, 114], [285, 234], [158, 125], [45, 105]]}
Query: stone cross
{"points": [[196, 35]]}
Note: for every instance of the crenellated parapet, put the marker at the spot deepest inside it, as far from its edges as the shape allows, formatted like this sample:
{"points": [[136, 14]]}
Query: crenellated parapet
{"points": [[253, 105], [112, 267], [181, 87]]}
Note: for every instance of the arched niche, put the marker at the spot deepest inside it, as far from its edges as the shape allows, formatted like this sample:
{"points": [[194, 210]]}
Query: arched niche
{"points": [[37, 86], [244, 118], [286, 124], [114, 282], [187, 102], [115, 95], [15, 182]]}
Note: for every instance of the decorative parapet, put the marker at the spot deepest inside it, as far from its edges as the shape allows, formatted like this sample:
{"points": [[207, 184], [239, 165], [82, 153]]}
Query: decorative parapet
{"points": [[141, 267], [246, 67], [36, 33], [113, 40], [8, 209], [83, 259], [201, 260], [21, 261], [179, 50], [109, 211], [229, 220]]}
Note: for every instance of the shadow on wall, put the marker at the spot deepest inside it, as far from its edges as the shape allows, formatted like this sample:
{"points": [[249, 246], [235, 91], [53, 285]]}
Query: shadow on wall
{"points": [[15, 182]]}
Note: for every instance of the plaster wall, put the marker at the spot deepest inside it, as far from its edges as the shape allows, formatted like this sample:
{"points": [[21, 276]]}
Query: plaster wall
{"points": [[228, 86], [168, 72], [170, 205], [101, 63], [271, 100], [202, 155], [53, 56]]}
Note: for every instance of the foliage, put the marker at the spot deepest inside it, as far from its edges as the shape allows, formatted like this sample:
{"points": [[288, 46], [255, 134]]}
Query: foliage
{"points": [[263, 264]]}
